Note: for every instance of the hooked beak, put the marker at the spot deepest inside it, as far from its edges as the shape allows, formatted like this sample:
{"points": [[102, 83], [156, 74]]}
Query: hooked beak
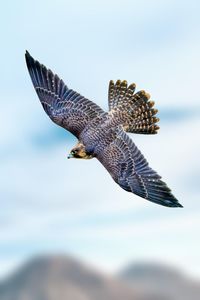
{"points": [[69, 156]]}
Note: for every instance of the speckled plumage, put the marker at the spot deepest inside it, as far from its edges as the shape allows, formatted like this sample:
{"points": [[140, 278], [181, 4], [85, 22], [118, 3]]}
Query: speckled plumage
{"points": [[101, 134]]}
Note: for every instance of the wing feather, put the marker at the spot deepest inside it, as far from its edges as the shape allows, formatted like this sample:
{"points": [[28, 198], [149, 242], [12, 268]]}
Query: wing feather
{"points": [[64, 106], [131, 171]]}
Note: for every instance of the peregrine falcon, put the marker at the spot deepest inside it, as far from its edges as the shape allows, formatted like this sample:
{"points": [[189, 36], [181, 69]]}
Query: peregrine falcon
{"points": [[102, 134]]}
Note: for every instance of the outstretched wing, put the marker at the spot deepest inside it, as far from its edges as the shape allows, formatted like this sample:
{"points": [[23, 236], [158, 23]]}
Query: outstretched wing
{"points": [[130, 170], [64, 106]]}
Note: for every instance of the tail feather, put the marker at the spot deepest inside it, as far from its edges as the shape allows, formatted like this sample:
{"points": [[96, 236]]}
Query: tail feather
{"points": [[132, 110]]}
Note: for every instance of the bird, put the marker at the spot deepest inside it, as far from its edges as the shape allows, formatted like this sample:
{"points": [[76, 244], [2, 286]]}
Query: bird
{"points": [[103, 135]]}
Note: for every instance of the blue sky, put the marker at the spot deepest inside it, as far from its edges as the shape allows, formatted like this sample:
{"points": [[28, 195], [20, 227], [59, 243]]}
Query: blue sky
{"points": [[50, 204]]}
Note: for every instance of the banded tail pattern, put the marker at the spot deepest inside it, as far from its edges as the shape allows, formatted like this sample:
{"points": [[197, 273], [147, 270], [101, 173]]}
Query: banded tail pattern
{"points": [[132, 110]]}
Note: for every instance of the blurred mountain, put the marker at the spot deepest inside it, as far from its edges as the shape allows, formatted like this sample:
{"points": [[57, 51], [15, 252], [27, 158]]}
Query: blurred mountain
{"points": [[157, 282], [62, 278]]}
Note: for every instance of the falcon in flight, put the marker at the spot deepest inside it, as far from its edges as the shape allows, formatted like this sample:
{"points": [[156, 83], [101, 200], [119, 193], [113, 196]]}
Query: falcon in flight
{"points": [[102, 134]]}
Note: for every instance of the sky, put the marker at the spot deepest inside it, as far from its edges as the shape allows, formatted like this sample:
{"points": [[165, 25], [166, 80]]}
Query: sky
{"points": [[53, 205]]}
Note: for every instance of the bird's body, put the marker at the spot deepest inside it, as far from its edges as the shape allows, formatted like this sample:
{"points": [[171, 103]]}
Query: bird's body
{"points": [[103, 134]]}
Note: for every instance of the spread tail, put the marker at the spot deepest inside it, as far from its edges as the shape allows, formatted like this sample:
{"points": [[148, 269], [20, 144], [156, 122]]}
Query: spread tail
{"points": [[132, 110]]}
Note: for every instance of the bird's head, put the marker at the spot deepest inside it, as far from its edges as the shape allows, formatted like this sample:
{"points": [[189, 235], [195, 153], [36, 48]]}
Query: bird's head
{"points": [[79, 152]]}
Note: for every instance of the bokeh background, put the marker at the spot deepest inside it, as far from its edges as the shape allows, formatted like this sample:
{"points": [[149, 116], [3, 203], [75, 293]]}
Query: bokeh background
{"points": [[53, 205]]}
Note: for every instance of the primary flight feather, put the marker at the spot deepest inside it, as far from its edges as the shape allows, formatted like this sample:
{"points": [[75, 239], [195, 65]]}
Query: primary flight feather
{"points": [[103, 134]]}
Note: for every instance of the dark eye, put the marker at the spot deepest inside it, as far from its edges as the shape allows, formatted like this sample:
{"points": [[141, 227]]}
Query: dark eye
{"points": [[73, 152]]}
